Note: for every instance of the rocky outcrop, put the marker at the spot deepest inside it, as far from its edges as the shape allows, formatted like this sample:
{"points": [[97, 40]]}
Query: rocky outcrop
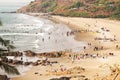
{"points": [[61, 78], [16, 53], [10, 61], [4, 77], [35, 63], [52, 54], [17, 62], [30, 53], [26, 63]]}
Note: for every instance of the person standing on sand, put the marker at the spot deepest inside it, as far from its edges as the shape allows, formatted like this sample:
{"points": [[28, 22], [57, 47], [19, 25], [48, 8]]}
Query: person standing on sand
{"points": [[67, 33], [73, 58], [84, 47], [69, 55], [78, 57], [117, 46], [101, 47], [114, 37]]}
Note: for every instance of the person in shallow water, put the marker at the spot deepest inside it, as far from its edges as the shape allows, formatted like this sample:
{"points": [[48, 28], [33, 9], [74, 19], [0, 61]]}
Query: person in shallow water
{"points": [[43, 39], [49, 37], [21, 58]]}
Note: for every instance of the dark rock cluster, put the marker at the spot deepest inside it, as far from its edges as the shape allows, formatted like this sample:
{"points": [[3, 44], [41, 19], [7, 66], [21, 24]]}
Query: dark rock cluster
{"points": [[4, 77]]}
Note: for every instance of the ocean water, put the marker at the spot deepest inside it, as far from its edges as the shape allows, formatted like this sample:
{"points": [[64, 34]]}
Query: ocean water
{"points": [[28, 32], [11, 6]]}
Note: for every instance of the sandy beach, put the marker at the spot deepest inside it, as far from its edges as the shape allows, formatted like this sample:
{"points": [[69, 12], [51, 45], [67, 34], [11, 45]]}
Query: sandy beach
{"points": [[94, 63]]}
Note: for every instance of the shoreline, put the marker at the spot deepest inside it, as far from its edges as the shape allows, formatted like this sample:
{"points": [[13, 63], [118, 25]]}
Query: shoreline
{"points": [[56, 19], [88, 34]]}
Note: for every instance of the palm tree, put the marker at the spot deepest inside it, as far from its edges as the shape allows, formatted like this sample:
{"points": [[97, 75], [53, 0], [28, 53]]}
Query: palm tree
{"points": [[6, 67], [0, 23], [7, 44]]}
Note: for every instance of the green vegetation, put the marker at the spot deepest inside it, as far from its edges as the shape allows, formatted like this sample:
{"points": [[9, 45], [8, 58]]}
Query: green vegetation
{"points": [[115, 17], [76, 4], [6, 67], [32, 6], [50, 5], [46, 4], [116, 11], [78, 8], [100, 16], [77, 14], [7, 44], [0, 23]]}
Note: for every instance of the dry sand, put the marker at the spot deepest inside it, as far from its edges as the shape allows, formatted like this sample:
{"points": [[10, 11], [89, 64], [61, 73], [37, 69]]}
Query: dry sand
{"points": [[95, 68]]}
